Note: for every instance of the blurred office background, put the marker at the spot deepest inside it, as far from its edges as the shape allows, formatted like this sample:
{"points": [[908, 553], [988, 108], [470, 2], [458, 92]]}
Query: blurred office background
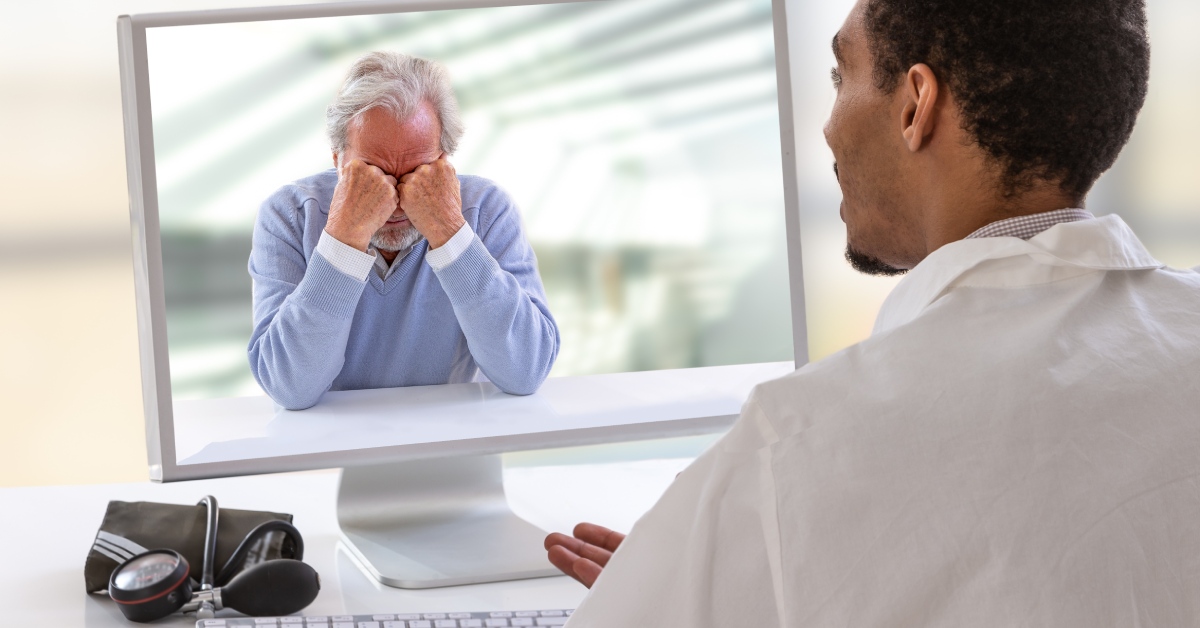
{"points": [[71, 382]]}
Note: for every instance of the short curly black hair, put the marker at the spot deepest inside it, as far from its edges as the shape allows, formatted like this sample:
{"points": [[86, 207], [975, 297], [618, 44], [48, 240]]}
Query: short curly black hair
{"points": [[1050, 89]]}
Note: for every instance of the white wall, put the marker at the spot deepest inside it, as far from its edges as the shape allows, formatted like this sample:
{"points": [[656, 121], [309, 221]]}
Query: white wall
{"points": [[70, 393]]}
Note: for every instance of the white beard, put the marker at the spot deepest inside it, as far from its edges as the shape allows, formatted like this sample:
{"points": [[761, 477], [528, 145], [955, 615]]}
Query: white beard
{"points": [[389, 238]]}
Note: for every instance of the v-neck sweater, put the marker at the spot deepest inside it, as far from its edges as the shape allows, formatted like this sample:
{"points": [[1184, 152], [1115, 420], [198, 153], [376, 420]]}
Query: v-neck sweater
{"points": [[317, 328]]}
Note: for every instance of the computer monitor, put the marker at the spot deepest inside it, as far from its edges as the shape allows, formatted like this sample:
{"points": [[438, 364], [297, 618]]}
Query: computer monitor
{"points": [[649, 146]]}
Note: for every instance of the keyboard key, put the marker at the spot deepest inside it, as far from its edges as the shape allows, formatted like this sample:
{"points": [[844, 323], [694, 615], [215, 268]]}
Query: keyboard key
{"points": [[459, 615], [527, 613], [408, 617], [522, 621], [368, 624], [471, 623], [264, 621], [420, 623], [383, 617], [501, 614], [394, 624], [343, 624], [349, 618], [317, 620], [445, 623], [290, 621], [496, 621], [551, 621], [214, 622], [435, 615]]}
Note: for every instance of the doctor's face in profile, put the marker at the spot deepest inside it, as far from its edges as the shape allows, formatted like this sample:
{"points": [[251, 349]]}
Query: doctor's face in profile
{"points": [[864, 132]]}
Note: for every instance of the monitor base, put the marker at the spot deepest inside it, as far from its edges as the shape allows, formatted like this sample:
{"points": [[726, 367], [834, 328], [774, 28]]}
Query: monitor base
{"points": [[437, 523]]}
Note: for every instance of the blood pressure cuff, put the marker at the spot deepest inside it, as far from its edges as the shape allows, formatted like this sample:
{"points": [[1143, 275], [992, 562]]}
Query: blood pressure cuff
{"points": [[130, 528]]}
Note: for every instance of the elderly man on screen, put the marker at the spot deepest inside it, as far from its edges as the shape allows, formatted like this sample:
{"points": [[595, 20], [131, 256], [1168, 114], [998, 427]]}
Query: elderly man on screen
{"points": [[389, 269], [1018, 442]]}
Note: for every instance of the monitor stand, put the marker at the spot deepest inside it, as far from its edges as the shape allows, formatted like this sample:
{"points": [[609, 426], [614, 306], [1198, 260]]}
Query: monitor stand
{"points": [[437, 523]]}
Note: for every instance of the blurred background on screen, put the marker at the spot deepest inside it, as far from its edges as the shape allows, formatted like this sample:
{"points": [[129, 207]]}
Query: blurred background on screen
{"points": [[639, 138]]}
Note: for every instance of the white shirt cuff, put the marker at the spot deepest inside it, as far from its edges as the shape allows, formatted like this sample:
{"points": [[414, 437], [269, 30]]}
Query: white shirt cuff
{"points": [[349, 260], [445, 254]]}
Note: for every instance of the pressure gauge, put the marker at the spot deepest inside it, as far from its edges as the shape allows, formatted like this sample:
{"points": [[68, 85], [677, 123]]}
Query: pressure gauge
{"points": [[151, 585]]}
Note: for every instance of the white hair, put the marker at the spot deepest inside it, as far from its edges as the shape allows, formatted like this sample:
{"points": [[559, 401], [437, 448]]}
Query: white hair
{"points": [[398, 83]]}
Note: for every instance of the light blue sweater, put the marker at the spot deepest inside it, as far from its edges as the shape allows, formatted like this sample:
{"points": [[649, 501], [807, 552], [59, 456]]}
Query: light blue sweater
{"points": [[318, 329]]}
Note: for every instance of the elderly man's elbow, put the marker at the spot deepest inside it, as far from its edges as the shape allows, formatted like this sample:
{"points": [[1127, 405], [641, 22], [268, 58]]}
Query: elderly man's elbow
{"points": [[531, 381], [522, 384], [526, 384], [296, 402], [290, 397], [523, 388]]}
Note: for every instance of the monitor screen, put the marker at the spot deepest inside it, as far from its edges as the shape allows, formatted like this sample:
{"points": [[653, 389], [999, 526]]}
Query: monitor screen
{"points": [[641, 142]]}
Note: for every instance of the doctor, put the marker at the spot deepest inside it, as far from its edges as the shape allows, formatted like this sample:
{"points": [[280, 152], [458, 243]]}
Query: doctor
{"points": [[1018, 442]]}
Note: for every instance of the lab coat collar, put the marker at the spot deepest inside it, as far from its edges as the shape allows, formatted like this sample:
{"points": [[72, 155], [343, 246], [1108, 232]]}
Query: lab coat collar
{"points": [[1104, 243]]}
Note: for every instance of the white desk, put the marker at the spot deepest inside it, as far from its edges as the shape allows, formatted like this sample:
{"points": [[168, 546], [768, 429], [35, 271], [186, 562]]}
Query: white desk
{"points": [[47, 532]]}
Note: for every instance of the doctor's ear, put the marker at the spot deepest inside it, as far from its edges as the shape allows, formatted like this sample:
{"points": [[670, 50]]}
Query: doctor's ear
{"points": [[920, 92], [336, 165]]}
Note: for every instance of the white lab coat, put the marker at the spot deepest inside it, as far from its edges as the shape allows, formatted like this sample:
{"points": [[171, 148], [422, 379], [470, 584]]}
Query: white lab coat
{"points": [[1017, 444]]}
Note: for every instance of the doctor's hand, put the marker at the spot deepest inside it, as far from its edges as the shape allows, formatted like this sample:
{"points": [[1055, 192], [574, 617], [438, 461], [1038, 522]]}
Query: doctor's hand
{"points": [[364, 199], [584, 555], [431, 199]]}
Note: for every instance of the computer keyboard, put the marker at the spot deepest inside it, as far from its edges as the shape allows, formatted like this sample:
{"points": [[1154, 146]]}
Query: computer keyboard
{"points": [[398, 620]]}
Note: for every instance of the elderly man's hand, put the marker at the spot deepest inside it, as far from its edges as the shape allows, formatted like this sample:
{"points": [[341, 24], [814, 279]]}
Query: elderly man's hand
{"points": [[430, 197], [584, 555], [364, 199]]}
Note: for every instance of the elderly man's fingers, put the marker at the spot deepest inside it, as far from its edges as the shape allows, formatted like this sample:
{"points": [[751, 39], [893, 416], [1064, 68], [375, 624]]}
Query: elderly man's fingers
{"points": [[599, 536], [362, 168]]}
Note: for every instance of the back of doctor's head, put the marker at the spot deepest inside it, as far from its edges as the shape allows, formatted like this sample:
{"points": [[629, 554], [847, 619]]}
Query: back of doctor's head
{"points": [[1050, 89]]}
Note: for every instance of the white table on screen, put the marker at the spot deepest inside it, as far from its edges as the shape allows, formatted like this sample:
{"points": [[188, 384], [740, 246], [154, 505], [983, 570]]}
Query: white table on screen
{"points": [[465, 419], [48, 531]]}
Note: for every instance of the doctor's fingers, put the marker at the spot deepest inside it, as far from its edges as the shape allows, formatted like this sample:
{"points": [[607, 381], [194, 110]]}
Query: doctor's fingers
{"points": [[581, 569], [564, 559], [599, 536], [576, 547]]}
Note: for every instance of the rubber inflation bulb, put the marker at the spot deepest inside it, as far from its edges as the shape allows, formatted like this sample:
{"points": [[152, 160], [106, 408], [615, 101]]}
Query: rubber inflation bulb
{"points": [[275, 587]]}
